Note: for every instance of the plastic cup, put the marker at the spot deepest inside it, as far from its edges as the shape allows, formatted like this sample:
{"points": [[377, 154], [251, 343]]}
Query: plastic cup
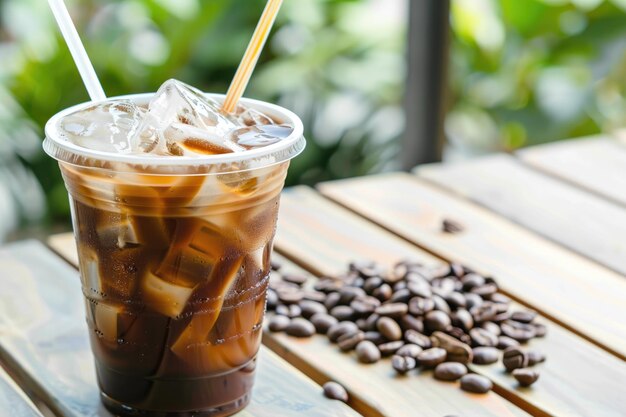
{"points": [[174, 262]]}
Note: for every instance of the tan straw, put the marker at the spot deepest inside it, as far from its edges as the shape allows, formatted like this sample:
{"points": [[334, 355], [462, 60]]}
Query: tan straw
{"points": [[250, 58]]}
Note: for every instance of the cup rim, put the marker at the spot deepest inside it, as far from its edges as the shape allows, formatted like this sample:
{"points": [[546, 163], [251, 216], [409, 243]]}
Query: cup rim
{"points": [[63, 150]]}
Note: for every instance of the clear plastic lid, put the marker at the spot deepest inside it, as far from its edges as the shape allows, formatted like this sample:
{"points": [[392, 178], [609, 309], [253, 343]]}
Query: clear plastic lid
{"points": [[58, 146]]}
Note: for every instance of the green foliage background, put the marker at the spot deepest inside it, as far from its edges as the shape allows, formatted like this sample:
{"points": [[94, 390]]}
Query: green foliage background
{"points": [[521, 72]]}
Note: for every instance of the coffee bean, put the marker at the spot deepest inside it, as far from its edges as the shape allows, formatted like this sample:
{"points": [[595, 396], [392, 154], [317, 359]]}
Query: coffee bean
{"points": [[502, 317], [367, 269], [313, 295], [300, 327], [370, 322], [393, 310], [327, 285], [375, 337], [477, 384], [443, 286], [364, 305], [332, 300], [436, 320], [458, 334], [456, 351], [342, 313], [417, 338], [408, 322], [463, 319], [419, 288], [419, 306], [338, 329], [372, 283], [383, 293], [310, 308], [485, 355], [297, 279], [275, 264], [470, 281], [485, 290], [348, 341], [389, 328], [514, 358], [450, 371], [291, 311], [482, 337], [367, 352], [361, 323], [389, 348], [323, 322], [457, 270], [535, 357], [278, 323], [500, 298], [519, 331], [403, 364], [526, 316], [472, 300], [506, 342], [451, 226], [334, 391], [491, 327], [272, 299], [484, 312], [540, 329], [455, 300], [401, 285], [289, 296], [525, 377], [409, 349], [432, 357], [347, 294], [400, 296], [440, 304]]}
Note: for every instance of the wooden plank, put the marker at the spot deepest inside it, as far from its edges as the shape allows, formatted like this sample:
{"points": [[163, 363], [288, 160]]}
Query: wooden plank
{"points": [[572, 217], [13, 401], [573, 366], [596, 164], [572, 290], [373, 389], [43, 337]]}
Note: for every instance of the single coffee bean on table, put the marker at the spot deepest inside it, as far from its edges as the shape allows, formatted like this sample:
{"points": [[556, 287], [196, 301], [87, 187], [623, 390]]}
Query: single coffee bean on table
{"points": [[389, 348], [300, 327], [437, 320], [367, 352], [477, 384], [432, 357], [514, 358], [403, 364], [323, 322], [389, 328], [449, 371], [278, 323], [535, 357], [337, 330], [456, 351], [335, 391], [417, 338], [349, 341], [297, 279], [484, 355], [410, 349], [310, 308], [451, 226], [525, 377]]}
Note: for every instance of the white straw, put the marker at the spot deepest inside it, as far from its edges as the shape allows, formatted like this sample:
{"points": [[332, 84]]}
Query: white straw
{"points": [[85, 68]]}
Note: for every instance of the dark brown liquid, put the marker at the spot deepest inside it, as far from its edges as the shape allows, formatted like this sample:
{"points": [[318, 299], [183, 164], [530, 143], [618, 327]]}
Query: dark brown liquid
{"points": [[174, 273]]}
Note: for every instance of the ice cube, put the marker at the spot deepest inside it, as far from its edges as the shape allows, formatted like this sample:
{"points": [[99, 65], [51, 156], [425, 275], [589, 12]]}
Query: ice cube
{"points": [[163, 296], [179, 111], [214, 291], [260, 135], [251, 117], [106, 318], [107, 127], [116, 232], [90, 271]]}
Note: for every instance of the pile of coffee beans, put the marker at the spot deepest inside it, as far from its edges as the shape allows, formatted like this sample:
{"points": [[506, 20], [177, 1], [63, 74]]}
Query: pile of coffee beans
{"points": [[440, 318]]}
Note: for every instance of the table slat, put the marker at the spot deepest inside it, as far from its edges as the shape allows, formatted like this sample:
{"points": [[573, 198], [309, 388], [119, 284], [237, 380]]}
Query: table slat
{"points": [[43, 337], [574, 291], [561, 212], [597, 377], [13, 401], [597, 164]]}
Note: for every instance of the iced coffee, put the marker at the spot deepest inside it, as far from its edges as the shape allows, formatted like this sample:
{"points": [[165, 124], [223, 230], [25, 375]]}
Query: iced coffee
{"points": [[174, 207]]}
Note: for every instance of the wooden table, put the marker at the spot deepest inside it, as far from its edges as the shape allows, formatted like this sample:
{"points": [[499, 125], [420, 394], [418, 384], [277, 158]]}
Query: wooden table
{"points": [[548, 223]]}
